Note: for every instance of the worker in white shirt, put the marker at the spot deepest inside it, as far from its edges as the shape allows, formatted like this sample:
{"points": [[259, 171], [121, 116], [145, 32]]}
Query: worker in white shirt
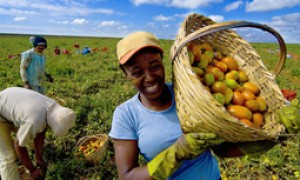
{"points": [[28, 114]]}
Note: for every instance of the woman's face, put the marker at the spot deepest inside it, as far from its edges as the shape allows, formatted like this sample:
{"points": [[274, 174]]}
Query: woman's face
{"points": [[40, 48], [146, 71]]}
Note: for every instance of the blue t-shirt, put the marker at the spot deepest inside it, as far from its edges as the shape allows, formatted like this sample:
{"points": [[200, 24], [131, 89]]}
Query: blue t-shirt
{"points": [[156, 131], [85, 51]]}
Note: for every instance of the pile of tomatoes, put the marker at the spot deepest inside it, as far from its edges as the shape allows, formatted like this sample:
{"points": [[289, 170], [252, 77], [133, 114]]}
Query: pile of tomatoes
{"points": [[91, 146], [228, 84]]}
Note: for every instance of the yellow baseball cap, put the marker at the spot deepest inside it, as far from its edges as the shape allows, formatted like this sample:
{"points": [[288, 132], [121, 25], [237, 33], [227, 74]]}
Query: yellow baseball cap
{"points": [[134, 42]]}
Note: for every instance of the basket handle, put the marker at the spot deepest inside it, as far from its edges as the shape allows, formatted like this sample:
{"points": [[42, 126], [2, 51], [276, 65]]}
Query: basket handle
{"points": [[233, 24]]}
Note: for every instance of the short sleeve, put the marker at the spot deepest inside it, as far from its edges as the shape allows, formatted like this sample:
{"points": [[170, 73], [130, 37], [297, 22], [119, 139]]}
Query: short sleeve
{"points": [[25, 59], [25, 134], [23, 65], [29, 128], [122, 125]]}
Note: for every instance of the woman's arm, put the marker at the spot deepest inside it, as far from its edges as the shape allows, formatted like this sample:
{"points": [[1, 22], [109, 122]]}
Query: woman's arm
{"points": [[227, 150], [126, 159], [254, 148], [25, 59], [39, 142], [23, 156]]}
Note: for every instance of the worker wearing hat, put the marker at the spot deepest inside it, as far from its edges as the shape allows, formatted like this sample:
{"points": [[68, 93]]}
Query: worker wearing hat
{"points": [[147, 124], [28, 114], [33, 63]]}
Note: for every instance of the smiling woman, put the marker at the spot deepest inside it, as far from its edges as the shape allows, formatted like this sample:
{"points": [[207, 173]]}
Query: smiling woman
{"points": [[148, 124]]}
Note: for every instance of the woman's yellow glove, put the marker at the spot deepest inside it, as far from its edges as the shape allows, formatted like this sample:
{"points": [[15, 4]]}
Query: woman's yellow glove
{"points": [[289, 116], [188, 146]]}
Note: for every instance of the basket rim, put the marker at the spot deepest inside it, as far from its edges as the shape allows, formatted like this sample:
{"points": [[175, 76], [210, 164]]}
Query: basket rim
{"points": [[86, 138], [217, 27]]}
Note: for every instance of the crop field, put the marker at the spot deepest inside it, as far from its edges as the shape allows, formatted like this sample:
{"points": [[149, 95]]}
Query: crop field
{"points": [[93, 85]]}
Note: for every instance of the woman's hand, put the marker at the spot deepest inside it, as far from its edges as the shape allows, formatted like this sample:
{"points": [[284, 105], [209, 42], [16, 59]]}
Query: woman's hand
{"points": [[43, 166], [37, 174], [27, 85], [188, 146]]}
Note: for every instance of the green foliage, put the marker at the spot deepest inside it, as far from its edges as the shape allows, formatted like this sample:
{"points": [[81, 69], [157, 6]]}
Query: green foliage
{"points": [[281, 162], [93, 85]]}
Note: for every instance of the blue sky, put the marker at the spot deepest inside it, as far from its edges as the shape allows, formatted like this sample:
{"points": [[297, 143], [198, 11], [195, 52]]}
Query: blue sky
{"points": [[117, 18]]}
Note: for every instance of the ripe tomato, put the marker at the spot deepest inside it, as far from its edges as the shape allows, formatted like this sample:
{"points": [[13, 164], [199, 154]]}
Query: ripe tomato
{"points": [[248, 95], [248, 123], [249, 86], [243, 76], [262, 104], [252, 104], [218, 74], [238, 98], [206, 47], [240, 112], [230, 62], [221, 65], [196, 50], [219, 87], [257, 119], [239, 88]]}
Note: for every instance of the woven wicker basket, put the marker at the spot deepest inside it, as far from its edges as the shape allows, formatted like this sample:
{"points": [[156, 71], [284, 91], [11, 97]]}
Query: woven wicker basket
{"points": [[97, 156], [198, 111]]}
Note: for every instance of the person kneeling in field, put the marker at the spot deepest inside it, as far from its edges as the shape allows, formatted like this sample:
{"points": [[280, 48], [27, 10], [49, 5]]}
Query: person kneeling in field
{"points": [[28, 114], [148, 124]]}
